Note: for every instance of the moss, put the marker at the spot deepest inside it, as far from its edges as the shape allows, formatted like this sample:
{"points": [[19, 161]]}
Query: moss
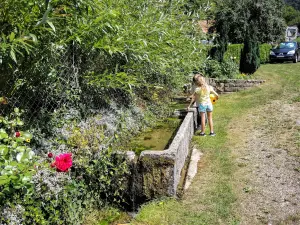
{"points": [[161, 161], [156, 182], [156, 175], [157, 138]]}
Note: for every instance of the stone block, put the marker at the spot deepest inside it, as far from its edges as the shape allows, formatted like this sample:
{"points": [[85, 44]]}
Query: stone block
{"points": [[231, 89]]}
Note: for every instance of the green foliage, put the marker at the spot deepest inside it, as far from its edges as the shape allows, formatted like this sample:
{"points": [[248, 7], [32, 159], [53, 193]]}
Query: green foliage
{"points": [[207, 8], [233, 52], [38, 194], [238, 20], [264, 53], [294, 3], [92, 53], [236, 14], [106, 216], [85, 56], [16, 157], [107, 179], [67, 206], [103, 172], [291, 16], [224, 70]]}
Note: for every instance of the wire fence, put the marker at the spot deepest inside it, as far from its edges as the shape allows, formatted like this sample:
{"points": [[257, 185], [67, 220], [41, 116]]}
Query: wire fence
{"points": [[40, 89], [37, 96]]}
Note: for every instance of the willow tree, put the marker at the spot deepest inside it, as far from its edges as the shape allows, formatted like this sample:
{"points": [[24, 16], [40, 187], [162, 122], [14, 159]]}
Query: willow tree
{"points": [[99, 51]]}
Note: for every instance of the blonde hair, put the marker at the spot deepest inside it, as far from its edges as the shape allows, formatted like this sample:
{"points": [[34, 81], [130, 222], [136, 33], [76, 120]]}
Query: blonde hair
{"points": [[202, 83]]}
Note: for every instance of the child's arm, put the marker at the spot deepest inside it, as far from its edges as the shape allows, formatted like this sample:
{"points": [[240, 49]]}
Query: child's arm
{"points": [[193, 97], [214, 92]]}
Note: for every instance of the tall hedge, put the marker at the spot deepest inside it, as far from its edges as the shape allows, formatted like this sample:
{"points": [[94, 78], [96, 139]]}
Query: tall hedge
{"points": [[234, 52], [264, 52]]}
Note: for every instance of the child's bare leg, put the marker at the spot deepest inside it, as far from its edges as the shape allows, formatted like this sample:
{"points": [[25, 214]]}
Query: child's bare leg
{"points": [[202, 114], [210, 122]]}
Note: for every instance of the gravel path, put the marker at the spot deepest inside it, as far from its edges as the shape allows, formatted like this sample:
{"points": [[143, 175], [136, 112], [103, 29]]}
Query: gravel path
{"points": [[268, 158]]}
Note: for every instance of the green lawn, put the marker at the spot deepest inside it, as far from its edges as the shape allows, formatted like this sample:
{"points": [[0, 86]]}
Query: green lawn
{"points": [[210, 199]]}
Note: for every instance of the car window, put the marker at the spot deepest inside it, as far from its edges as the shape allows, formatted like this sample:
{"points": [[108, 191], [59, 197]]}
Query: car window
{"points": [[286, 45]]}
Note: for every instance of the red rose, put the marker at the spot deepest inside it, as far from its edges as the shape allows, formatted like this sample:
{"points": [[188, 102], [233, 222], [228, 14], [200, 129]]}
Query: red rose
{"points": [[52, 165], [50, 155], [63, 162], [18, 134]]}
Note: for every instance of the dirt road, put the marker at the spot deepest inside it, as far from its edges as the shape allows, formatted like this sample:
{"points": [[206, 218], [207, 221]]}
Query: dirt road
{"points": [[268, 185]]}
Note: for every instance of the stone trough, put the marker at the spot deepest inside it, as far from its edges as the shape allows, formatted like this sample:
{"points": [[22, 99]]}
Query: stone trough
{"points": [[159, 173]]}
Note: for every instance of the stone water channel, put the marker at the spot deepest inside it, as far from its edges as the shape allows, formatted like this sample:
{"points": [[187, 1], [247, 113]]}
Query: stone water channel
{"points": [[159, 158]]}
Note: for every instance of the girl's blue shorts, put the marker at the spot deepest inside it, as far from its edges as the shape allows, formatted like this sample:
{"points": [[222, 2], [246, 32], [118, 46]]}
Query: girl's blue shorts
{"points": [[205, 108]]}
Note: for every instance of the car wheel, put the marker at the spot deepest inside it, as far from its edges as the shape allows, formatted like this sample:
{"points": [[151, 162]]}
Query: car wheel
{"points": [[296, 59]]}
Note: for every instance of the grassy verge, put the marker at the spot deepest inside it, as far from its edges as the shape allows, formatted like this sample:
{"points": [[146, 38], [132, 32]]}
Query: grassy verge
{"points": [[210, 199], [106, 216]]}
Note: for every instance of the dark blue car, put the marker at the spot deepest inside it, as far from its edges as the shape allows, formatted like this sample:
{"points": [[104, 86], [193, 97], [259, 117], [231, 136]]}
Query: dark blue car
{"points": [[285, 51]]}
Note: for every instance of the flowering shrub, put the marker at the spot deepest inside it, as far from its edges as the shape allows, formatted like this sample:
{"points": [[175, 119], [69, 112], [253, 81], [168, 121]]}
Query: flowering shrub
{"points": [[16, 157], [69, 176], [102, 171]]}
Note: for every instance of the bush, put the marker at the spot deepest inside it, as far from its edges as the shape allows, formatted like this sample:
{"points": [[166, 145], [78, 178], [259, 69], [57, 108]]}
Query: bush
{"points": [[224, 70], [264, 53], [16, 157], [53, 188], [212, 68], [18, 165], [230, 69]]}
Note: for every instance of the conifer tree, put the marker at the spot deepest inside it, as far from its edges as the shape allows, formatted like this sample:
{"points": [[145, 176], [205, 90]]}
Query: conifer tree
{"points": [[250, 59]]}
